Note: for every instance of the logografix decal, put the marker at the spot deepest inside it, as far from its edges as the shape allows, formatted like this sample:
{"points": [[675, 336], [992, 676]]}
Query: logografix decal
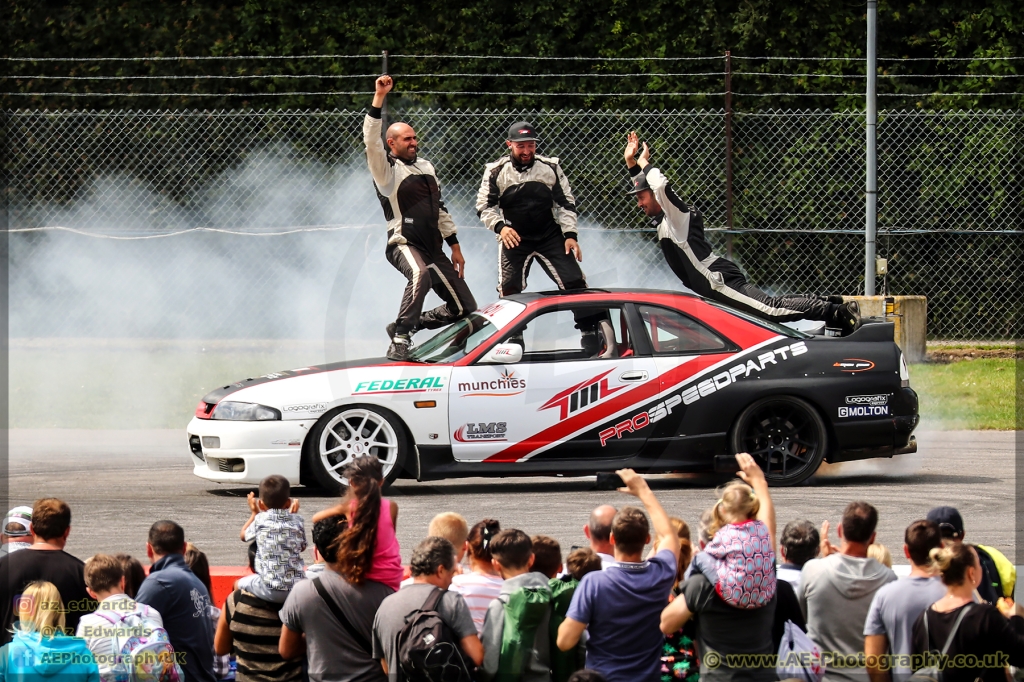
{"points": [[880, 399], [312, 408], [864, 411], [854, 365], [481, 431]]}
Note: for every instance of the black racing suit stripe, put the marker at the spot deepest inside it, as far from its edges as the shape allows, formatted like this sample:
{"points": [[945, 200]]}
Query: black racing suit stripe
{"points": [[514, 265], [743, 295], [556, 191], [426, 272]]}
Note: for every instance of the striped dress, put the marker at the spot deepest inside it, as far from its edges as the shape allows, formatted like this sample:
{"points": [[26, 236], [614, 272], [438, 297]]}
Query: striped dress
{"points": [[479, 590], [256, 630]]}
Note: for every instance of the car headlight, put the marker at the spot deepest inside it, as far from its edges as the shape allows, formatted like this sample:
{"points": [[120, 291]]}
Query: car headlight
{"points": [[904, 372], [245, 412]]}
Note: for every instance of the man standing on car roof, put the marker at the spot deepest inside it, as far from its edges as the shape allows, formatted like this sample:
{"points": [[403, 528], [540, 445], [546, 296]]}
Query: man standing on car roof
{"points": [[688, 253], [526, 200], [417, 223]]}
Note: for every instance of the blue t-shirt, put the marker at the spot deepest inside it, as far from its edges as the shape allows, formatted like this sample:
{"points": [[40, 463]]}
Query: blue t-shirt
{"points": [[622, 606], [894, 610]]}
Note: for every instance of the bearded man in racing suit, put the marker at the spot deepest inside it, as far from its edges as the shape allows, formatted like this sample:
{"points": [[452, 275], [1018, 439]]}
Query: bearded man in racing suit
{"points": [[417, 223], [692, 259], [525, 199]]}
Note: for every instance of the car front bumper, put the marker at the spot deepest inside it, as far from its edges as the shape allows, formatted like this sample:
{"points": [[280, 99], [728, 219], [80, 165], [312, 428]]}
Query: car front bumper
{"points": [[246, 452]]}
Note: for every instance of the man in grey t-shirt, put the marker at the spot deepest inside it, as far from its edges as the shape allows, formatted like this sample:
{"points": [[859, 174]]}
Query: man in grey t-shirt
{"points": [[334, 654], [432, 567], [889, 627]]}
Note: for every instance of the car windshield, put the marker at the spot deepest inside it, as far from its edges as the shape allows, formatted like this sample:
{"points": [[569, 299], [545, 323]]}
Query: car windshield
{"points": [[454, 342], [760, 322]]}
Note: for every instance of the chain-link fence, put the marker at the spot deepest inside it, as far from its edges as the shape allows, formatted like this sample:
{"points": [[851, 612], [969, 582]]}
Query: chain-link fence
{"points": [[292, 196]]}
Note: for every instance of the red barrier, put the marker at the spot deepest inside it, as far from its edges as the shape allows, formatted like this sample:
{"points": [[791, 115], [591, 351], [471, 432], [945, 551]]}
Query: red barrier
{"points": [[222, 579]]}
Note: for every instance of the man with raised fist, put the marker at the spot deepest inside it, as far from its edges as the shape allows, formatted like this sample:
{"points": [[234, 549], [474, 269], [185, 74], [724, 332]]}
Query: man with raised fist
{"points": [[418, 222]]}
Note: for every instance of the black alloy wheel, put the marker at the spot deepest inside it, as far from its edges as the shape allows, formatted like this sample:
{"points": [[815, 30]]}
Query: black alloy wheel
{"points": [[785, 435]]}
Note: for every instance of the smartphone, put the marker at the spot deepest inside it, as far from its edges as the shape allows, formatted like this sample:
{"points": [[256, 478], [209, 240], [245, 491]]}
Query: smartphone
{"points": [[609, 482]]}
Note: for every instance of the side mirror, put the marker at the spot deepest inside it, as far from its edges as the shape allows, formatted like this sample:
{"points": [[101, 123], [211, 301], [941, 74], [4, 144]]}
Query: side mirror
{"points": [[503, 354]]}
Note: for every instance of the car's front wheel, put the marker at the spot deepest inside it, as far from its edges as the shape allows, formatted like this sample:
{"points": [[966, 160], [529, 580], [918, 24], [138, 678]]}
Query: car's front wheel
{"points": [[785, 435], [353, 431]]}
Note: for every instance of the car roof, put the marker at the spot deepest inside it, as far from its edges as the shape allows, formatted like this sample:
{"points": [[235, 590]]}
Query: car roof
{"points": [[533, 296]]}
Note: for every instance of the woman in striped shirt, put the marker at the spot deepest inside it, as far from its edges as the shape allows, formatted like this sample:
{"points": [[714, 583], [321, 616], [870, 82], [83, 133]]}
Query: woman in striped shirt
{"points": [[481, 584]]}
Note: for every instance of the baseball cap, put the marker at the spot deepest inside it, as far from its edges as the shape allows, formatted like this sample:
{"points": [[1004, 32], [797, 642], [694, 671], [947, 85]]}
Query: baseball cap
{"points": [[17, 521], [521, 132], [950, 523], [639, 184]]}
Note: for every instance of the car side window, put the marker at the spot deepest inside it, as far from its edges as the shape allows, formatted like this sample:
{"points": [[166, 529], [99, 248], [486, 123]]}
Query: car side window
{"points": [[574, 334], [673, 333]]}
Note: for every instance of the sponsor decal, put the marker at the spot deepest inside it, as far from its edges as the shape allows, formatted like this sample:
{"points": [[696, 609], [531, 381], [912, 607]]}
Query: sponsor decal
{"points": [[501, 312], [314, 408], [582, 395], [293, 443], [881, 399], [854, 365], [506, 384], [625, 426], [691, 394], [477, 431], [864, 411], [413, 385]]}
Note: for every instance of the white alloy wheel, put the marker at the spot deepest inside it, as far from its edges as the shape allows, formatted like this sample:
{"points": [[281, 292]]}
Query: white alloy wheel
{"points": [[356, 432]]}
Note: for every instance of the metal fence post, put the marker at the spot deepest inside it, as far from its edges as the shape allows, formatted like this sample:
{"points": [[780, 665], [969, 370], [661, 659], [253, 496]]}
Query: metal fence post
{"points": [[871, 190], [728, 151]]}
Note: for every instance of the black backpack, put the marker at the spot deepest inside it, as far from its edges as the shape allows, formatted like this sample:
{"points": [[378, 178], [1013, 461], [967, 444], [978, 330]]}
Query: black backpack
{"points": [[427, 648]]}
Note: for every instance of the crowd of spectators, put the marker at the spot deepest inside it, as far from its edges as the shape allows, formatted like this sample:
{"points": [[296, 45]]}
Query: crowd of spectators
{"points": [[484, 602]]}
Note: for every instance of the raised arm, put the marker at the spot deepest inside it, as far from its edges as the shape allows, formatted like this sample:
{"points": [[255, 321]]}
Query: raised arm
{"points": [[751, 473], [666, 535], [376, 154]]}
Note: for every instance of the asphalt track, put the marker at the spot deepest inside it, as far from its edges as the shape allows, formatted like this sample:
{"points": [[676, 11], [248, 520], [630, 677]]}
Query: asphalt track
{"points": [[119, 482]]}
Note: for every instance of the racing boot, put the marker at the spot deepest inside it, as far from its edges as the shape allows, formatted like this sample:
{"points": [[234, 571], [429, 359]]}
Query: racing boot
{"points": [[432, 319], [400, 346], [392, 328], [846, 317]]}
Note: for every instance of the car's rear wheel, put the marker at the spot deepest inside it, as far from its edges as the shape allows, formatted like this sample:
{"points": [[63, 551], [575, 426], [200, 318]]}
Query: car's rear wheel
{"points": [[785, 435], [353, 431]]}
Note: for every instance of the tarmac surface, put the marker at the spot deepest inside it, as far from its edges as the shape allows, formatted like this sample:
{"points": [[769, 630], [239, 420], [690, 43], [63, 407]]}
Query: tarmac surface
{"points": [[119, 482]]}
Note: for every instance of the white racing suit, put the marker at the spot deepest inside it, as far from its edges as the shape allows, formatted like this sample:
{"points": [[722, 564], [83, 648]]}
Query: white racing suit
{"points": [[417, 222], [688, 253]]}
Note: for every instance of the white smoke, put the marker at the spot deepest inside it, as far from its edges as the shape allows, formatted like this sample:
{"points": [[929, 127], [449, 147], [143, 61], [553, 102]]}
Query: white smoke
{"points": [[114, 333]]}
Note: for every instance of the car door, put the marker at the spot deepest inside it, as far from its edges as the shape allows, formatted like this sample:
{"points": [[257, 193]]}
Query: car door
{"points": [[559, 401], [683, 349]]}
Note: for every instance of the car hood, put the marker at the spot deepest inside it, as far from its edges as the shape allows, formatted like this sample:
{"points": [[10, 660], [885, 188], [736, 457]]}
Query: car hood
{"points": [[218, 394]]}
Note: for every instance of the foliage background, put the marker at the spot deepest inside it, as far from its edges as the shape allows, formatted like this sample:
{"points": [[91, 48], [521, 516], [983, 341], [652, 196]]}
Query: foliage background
{"points": [[911, 29]]}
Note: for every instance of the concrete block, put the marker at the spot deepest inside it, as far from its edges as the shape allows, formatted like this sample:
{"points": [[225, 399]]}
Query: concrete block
{"points": [[909, 317]]}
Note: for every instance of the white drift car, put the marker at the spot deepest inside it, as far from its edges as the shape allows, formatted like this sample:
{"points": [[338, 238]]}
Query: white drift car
{"points": [[677, 384]]}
